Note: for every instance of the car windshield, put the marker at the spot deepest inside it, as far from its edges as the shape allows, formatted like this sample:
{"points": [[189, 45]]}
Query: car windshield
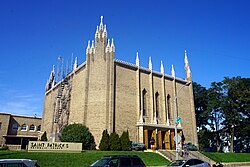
{"points": [[100, 162], [177, 163]]}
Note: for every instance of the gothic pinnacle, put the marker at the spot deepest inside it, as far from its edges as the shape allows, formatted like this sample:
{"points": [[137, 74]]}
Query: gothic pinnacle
{"points": [[150, 66], [162, 68], [108, 46], [93, 47], [88, 48], [187, 68], [137, 59], [112, 45], [101, 23], [104, 34], [173, 72], [75, 63], [97, 32]]}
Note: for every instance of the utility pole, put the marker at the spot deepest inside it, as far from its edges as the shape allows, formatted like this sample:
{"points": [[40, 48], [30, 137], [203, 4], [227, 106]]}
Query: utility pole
{"points": [[175, 118]]}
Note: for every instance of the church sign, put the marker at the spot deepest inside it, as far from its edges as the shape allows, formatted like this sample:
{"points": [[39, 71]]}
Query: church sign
{"points": [[54, 146]]}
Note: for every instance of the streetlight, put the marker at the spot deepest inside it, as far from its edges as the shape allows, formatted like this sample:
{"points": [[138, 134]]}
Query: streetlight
{"points": [[175, 117]]}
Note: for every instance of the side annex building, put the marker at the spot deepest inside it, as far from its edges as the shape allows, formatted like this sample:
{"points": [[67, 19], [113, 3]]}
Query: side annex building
{"points": [[106, 93]]}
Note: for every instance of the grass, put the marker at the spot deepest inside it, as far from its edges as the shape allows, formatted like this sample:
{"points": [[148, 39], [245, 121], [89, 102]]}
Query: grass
{"points": [[228, 157], [49, 159]]}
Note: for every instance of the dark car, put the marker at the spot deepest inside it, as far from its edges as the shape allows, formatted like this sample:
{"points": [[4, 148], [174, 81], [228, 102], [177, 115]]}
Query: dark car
{"points": [[18, 163], [190, 162], [119, 161]]}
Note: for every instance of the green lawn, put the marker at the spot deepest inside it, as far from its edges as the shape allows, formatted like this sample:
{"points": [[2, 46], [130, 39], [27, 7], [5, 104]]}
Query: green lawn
{"points": [[228, 157], [49, 159]]}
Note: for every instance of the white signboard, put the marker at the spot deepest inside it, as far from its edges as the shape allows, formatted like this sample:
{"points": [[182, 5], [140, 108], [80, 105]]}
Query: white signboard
{"points": [[54, 146]]}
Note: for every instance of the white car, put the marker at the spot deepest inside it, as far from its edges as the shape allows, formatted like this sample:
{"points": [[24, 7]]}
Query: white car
{"points": [[18, 163], [190, 162]]}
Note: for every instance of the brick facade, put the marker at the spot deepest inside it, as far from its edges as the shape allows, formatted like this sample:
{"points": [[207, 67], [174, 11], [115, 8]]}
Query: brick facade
{"points": [[18, 130]]}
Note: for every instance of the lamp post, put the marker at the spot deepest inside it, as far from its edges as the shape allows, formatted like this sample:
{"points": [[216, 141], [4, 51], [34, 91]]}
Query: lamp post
{"points": [[175, 117]]}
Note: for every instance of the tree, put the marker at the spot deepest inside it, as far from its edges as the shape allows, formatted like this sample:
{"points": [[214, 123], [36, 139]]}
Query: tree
{"points": [[104, 144], [78, 133], [115, 143], [125, 142], [235, 106], [44, 137], [201, 102]]}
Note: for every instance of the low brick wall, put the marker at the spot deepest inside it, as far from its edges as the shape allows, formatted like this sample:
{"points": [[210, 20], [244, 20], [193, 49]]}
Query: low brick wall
{"points": [[14, 147]]}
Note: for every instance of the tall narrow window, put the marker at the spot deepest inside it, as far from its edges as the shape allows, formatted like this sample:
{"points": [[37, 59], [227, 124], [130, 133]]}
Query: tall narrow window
{"points": [[144, 102], [169, 107], [157, 104]]}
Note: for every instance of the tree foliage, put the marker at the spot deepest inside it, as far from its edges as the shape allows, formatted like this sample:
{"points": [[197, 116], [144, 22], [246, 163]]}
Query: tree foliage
{"points": [[115, 143], [224, 108], [44, 137], [104, 144], [125, 142], [78, 133]]}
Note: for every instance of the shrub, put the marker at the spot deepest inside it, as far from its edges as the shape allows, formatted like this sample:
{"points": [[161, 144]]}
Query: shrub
{"points": [[104, 144], [4, 147], [44, 137], [78, 133], [125, 142], [115, 143], [191, 147], [138, 146]]}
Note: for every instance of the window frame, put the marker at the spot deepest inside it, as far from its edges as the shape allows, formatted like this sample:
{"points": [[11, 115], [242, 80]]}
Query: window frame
{"points": [[15, 127], [26, 128], [32, 130]]}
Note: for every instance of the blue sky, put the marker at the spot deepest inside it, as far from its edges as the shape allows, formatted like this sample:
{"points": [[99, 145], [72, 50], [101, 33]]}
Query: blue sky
{"points": [[34, 33]]}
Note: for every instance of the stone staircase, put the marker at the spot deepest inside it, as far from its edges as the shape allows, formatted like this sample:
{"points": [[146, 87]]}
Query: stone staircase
{"points": [[170, 155]]}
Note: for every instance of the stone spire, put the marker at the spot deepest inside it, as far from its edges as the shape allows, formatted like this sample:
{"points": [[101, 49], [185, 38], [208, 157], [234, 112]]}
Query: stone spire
{"points": [[101, 23], [88, 48], [52, 74], [92, 47], [112, 46], [187, 67], [101, 32], [75, 64], [104, 34], [97, 32], [162, 68], [137, 59], [173, 72], [150, 66], [108, 47]]}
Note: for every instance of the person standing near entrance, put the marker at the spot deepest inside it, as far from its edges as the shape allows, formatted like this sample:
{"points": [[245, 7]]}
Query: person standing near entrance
{"points": [[152, 143]]}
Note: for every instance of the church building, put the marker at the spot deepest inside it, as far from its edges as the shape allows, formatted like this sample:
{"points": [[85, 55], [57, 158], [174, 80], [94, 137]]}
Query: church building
{"points": [[107, 93]]}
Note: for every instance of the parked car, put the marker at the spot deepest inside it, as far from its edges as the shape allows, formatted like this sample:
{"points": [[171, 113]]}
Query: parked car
{"points": [[190, 162], [119, 161], [138, 146], [18, 163]]}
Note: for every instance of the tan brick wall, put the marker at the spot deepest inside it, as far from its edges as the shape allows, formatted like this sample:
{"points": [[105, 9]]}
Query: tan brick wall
{"points": [[78, 96], [20, 120], [9, 120], [125, 106], [4, 119]]}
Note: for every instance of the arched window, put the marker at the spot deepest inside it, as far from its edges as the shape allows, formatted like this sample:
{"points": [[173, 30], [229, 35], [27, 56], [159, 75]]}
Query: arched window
{"points": [[32, 127], [144, 102], [15, 126], [157, 104], [24, 127], [169, 106], [39, 128]]}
